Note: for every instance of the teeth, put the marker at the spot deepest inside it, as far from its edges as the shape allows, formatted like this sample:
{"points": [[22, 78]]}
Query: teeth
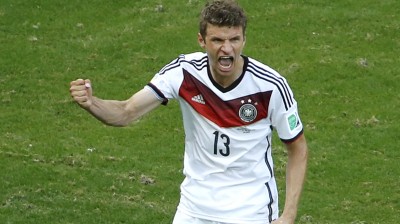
{"points": [[226, 61], [226, 66], [226, 57]]}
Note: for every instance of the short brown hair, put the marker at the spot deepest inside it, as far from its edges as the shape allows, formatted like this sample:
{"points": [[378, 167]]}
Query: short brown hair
{"points": [[222, 13]]}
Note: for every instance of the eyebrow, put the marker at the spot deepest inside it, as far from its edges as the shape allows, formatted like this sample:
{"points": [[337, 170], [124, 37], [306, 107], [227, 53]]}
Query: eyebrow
{"points": [[238, 36]]}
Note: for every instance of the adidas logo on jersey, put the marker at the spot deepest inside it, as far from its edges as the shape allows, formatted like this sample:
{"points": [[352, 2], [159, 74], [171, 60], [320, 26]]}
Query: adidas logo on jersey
{"points": [[199, 99]]}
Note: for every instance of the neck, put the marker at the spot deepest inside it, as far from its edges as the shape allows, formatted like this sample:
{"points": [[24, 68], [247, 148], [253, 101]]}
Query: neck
{"points": [[227, 80]]}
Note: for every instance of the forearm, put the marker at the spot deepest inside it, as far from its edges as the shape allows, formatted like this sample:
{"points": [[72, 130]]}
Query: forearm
{"points": [[122, 113], [110, 112], [295, 176]]}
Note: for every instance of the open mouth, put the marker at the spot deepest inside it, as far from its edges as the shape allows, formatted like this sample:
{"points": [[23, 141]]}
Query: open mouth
{"points": [[225, 61]]}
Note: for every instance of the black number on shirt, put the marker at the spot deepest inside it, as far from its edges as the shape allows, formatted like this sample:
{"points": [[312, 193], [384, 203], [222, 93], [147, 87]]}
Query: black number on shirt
{"points": [[226, 141]]}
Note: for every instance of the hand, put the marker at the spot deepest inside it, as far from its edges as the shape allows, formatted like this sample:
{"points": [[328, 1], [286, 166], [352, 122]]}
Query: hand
{"points": [[282, 220], [81, 92]]}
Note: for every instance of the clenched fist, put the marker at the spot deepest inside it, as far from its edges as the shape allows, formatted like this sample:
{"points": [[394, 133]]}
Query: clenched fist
{"points": [[81, 92]]}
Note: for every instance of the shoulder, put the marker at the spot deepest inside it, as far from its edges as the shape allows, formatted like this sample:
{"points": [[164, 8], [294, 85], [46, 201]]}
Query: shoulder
{"points": [[196, 56], [262, 70], [267, 76], [197, 60]]}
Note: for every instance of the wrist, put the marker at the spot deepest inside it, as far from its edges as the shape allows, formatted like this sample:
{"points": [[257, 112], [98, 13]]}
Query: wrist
{"points": [[290, 217]]}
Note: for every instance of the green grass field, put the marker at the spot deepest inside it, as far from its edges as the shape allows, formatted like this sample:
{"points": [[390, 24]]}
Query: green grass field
{"points": [[60, 165]]}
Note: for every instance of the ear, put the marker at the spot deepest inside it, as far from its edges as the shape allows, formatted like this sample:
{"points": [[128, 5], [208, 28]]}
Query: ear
{"points": [[201, 41]]}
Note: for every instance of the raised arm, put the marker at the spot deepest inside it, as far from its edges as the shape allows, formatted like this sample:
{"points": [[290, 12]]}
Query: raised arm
{"points": [[113, 112]]}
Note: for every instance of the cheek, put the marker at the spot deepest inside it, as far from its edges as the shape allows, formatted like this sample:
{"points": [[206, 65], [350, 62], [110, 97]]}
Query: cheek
{"points": [[211, 50], [239, 49], [212, 58]]}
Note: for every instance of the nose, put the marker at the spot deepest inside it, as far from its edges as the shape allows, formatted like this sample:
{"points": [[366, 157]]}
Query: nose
{"points": [[226, 46]]}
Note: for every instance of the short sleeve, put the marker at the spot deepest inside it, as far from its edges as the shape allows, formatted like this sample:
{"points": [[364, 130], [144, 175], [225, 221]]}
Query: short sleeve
{"points": [[285, 116], [165, 84]]}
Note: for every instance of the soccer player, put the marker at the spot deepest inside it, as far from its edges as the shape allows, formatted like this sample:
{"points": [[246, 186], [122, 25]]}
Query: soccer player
{"points": [[230, 104]]}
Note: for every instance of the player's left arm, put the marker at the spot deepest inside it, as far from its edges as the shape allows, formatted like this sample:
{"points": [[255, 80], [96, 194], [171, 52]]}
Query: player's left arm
{"points": [[295, 175]]}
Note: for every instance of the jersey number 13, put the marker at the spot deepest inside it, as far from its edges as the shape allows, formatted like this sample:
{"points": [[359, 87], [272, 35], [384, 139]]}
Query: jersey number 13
{"points": [[225, 140]]}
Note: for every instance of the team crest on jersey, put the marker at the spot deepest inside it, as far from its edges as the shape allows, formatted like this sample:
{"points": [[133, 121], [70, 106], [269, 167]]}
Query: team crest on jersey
{"points": [[248, 112]]}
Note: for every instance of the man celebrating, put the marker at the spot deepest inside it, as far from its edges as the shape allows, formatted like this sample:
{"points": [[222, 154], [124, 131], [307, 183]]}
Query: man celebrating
{"points": [[230, 105]]}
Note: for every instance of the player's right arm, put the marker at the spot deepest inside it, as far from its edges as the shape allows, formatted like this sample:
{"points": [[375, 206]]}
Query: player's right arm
{"points": [[113, 112]]}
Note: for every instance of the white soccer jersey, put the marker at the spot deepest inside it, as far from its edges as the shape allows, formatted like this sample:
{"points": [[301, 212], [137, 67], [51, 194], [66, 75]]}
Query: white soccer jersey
{"points": [[228, 162]]}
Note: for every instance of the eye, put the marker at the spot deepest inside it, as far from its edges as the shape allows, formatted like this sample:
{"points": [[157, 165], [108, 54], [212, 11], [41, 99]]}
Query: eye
{"points": [[235, 39], [216, 40]]}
